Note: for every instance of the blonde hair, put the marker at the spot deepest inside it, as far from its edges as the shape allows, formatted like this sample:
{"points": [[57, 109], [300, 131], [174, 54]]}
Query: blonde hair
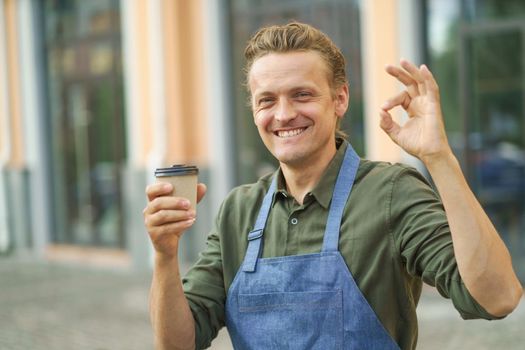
{"points": [[295, 36]]}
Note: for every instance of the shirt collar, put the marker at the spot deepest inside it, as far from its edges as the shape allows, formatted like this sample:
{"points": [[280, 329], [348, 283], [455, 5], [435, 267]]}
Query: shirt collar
{"points": [[322, 192]]}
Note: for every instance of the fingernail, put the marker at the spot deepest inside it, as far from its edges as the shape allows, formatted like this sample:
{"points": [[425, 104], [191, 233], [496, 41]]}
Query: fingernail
{"points": [[190, 222], [192, 213], [166, 187], [185, 203]]}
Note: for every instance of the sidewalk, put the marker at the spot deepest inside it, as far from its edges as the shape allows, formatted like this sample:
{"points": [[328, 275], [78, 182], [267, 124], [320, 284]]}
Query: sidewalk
{"points": [[54, 306]]}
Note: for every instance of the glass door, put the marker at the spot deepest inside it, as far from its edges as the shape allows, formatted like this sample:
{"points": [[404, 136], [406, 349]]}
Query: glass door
{"points": [[476, 49], [494, 107], [87, 146]]}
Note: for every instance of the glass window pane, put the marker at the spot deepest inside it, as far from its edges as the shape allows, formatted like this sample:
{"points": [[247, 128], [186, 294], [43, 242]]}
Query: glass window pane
{"points": [[85, 120], [478, 56], [479, 10]]}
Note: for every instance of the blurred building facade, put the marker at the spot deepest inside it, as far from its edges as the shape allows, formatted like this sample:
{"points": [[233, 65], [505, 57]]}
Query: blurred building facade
{"points": [[95, 94]]}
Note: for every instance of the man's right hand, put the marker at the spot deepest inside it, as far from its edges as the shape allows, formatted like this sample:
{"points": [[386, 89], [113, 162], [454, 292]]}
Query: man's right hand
{"points": [[167, 217]]}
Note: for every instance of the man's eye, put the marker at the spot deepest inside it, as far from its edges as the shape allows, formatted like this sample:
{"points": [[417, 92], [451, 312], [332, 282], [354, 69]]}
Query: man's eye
{"points": [[303, 94], [265, 101]]}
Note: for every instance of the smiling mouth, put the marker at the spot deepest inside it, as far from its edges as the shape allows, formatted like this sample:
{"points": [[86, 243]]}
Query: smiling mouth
{"points": [[289, 133]]}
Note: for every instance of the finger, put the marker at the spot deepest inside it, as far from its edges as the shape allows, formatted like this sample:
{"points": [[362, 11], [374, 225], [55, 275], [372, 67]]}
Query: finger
{"points": [[171, 228], [400, 75], [402, 99], [404, 78], [430, 82], [163, 217], [388, 125], [422, 86], [158, 189], [412, 70], [166, 203], [201, 191], [416, 74]]}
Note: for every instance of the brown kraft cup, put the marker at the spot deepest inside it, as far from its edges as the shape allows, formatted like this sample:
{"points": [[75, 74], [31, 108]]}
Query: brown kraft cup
{"points": [[184, 181]]}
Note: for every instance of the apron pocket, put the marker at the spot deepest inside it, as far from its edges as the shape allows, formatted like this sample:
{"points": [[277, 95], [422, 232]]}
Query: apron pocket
{"points": [[290, 300], [294, 320]]}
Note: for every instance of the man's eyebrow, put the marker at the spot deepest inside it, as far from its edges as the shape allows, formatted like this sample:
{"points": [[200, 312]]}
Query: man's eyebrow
{"points": [[262, 94], [290, 90], [303, 87]]}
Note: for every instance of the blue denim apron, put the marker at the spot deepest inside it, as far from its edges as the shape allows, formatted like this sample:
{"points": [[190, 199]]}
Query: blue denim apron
{"points": [[308, 301]]}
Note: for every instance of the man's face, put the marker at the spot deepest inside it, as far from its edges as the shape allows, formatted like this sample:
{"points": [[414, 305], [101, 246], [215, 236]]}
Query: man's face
{"points": [[294, 108]]}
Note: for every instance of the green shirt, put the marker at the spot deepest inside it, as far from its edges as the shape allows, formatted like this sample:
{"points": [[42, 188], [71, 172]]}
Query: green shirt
{"points": [[394, 236]]}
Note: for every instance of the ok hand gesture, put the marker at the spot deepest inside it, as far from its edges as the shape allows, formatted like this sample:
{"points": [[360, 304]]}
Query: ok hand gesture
{"points": [[423, 135]]}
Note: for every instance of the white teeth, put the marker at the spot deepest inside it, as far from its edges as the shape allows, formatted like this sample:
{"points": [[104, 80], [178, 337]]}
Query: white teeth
{"points": [[290, 133]]}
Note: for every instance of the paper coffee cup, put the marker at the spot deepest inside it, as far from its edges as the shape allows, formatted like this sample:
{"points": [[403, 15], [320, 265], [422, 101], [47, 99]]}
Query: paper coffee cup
{"points": [[184, 181]]}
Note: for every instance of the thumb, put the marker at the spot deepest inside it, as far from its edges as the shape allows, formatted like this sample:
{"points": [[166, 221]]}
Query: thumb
{"points": [[201, 191], [389, 125]]}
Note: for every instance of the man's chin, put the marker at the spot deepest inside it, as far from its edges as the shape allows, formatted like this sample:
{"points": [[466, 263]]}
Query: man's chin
{"points": [[291, 160]]}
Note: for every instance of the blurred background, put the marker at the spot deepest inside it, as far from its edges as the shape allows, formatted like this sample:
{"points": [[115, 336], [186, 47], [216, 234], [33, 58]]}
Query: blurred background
{"points": [[94, 94]]}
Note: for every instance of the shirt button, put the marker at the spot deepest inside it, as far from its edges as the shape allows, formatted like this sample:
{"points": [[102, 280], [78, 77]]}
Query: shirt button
{"points": [[294, 221]]}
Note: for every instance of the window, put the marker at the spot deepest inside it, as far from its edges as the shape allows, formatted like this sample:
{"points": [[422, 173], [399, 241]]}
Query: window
{"points": [[85, 120], [477, 51]]}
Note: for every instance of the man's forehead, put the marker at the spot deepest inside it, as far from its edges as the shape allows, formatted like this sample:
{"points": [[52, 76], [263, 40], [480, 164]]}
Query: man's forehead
{"points": [[294, 68], [289, 60]]}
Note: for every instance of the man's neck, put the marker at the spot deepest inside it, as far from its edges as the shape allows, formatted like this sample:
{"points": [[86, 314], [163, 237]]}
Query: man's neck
{"points": [[301, 179]]}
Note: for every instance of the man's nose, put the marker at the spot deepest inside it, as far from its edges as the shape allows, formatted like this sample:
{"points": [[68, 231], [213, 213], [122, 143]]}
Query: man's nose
{"points": [[285, 110]]}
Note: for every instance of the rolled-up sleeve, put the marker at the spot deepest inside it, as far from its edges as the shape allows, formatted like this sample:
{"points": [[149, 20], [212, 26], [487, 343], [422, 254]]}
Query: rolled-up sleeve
{"points": [[204, 289], [422, 235]]}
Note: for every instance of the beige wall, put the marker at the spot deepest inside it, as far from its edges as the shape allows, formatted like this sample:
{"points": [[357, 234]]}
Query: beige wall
{"points": [[380, 45], [140, 30], [3, 83], [184, 67], [169, 33], [14, 112]]}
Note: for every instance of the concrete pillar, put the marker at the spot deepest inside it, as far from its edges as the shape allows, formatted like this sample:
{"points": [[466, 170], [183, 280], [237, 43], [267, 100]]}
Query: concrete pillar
{"points": [[5, 139], [391, 30], [36, 157]]}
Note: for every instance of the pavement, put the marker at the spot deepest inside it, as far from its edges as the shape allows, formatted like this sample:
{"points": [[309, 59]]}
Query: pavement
{"points": [[54, 306]]}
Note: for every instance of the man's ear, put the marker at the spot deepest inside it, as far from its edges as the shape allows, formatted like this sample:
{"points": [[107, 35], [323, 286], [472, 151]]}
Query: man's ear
{"points": [[342, 99]]}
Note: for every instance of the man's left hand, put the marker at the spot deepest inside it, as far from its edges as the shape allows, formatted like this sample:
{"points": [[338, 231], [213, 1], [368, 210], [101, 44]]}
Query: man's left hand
{"points": [[423, 135]]}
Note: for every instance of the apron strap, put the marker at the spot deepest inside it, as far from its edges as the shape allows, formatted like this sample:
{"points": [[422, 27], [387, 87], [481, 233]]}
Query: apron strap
{"points": [[342, 189], [256, 235]]}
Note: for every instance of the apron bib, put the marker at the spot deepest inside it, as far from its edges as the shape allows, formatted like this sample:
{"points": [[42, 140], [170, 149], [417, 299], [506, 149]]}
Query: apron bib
{"points": [[308, 301]]}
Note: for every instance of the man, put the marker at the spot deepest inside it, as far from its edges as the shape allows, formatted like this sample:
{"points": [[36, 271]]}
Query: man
{"points": [[331, 250]]}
